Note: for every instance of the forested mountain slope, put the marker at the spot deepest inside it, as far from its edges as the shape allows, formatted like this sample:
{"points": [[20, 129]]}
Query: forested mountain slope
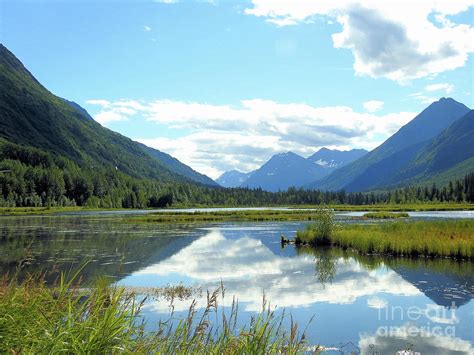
{"points": [[33, 116], [380, 167]]}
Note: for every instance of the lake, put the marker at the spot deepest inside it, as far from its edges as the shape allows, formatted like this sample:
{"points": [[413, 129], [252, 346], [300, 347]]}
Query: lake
{"points": [[346, 301]]}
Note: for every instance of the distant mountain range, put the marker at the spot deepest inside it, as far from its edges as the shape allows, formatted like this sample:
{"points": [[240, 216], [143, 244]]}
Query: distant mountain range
{"points": [[436, 146], [289, 169], [233, 178], [34, 117], [283, 171]]}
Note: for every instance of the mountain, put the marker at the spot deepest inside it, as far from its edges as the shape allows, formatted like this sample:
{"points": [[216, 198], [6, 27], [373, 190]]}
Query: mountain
{"points": [[446, 153], [233, 178], [289, 169], [334, 159], [283, 171], [443, 287], [396, 154], [79, 108], [34, 117], [446, 157], [177, 167]]}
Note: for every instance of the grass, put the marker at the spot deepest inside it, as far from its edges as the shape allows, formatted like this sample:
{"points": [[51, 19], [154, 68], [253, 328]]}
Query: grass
{"points": [[19, 211], [385, 215], [67, 318], [454, 239], [429, 206], [218, 216]]}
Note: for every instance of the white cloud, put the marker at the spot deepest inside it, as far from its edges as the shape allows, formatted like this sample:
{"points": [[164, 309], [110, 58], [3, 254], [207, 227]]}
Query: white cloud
{"points": [[114, 111], [244, 136], [394, 40], [112, 116], [146, 28], [447, 88], [103, 103], [373, 105], [426, 95], [213, 152]]}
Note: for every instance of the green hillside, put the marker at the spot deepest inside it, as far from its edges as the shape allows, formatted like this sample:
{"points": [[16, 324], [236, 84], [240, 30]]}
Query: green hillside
{"points": [[177, 167], [452, 146], [443, 158], [391, 164], [32, 116]]}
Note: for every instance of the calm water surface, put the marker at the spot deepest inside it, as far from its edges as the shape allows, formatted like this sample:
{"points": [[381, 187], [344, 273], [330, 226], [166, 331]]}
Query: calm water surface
{"points": [[373, 304]]}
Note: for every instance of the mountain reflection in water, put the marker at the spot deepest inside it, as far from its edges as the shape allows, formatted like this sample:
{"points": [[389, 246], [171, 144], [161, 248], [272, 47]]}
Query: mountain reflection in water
{"points": [[347, 293]]}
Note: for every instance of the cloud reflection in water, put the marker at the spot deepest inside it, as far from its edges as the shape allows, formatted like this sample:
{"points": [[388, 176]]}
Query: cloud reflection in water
{"points": [[248, 268]]}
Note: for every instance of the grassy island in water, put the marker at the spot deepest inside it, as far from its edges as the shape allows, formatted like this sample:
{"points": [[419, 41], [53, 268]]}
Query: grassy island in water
{"points": [[454, 239]]}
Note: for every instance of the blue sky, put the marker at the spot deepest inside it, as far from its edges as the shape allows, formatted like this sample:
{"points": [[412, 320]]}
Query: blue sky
{"points": [[223, 85]]}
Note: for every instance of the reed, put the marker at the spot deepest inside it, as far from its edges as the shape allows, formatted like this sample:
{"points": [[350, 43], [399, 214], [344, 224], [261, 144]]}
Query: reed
{"points": [[101, 319]]}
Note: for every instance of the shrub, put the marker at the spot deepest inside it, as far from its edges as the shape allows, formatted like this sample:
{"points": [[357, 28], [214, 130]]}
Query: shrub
{"points": [[320, 231]]}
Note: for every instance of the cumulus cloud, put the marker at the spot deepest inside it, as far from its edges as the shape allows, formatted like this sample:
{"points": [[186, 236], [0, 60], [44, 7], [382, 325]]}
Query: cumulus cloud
{"points": [[395, 40], [373, 105], [244, 136]]}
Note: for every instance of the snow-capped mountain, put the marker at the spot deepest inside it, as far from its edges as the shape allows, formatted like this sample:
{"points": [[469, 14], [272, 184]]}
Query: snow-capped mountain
{"points": [[283, 171], [233, 178], [289, 169], [333, 158]]}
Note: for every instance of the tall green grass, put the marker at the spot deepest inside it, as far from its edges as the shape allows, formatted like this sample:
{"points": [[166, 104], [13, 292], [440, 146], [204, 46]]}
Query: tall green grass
{"points": [[453, 239], [101, 319]]}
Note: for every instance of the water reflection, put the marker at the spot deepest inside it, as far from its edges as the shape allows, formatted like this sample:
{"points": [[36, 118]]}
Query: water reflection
{"points": [[421, 340], [110, 247], [443, 281], [347, 293], [249, 268]]}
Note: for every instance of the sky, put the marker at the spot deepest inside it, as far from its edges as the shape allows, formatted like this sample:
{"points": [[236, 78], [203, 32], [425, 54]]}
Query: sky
{"points": [[225, 85]]}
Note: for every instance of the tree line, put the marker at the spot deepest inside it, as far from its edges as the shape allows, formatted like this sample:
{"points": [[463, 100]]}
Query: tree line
{"points": [[32, 177]]}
